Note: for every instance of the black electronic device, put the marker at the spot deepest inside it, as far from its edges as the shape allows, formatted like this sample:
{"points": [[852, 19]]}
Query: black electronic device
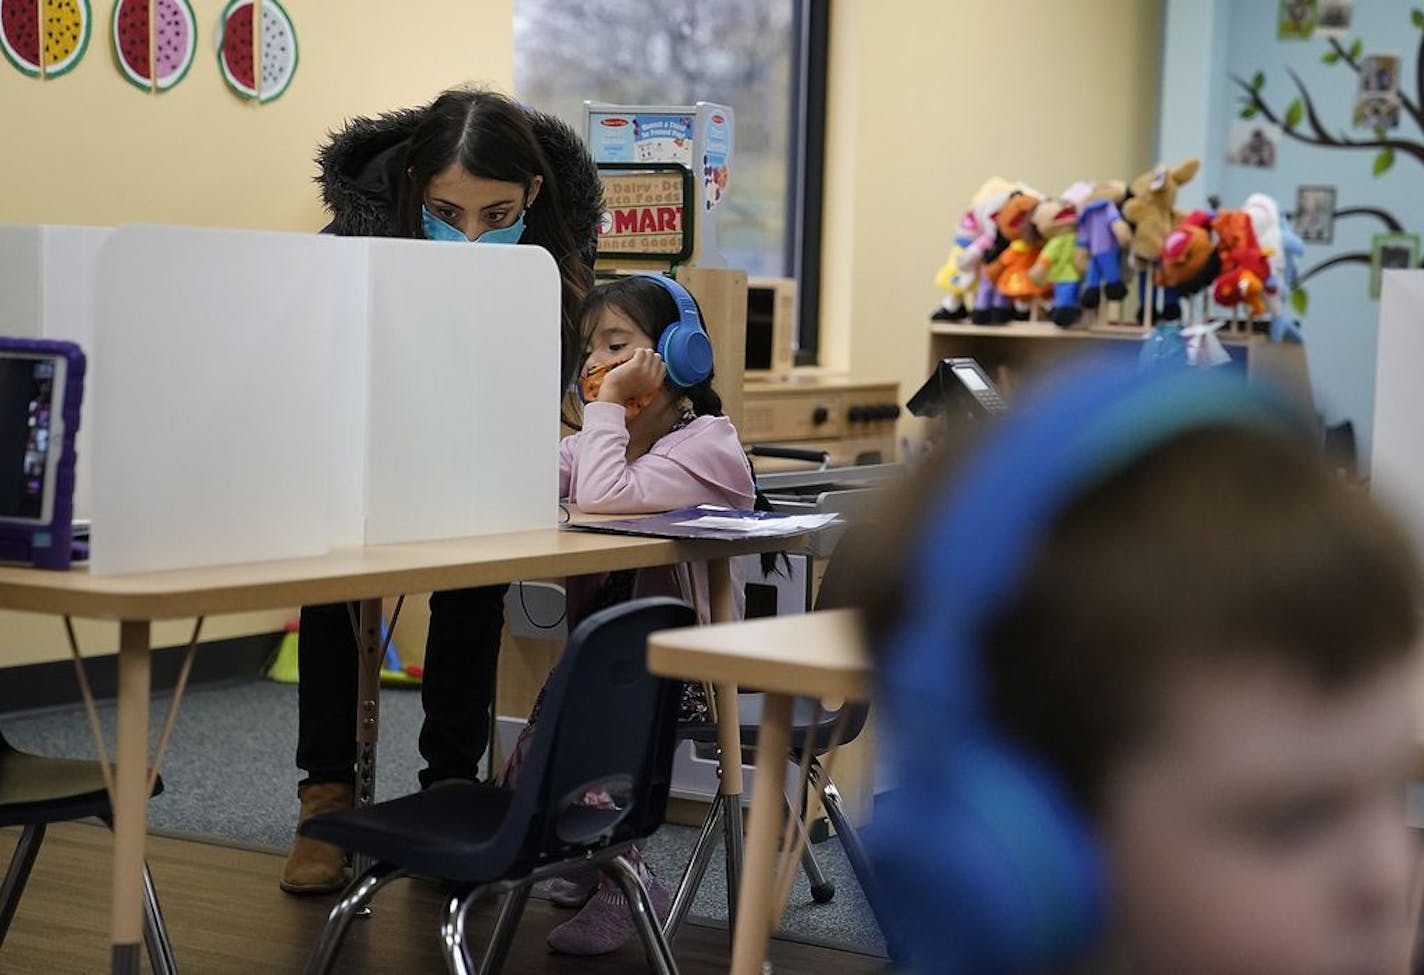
{"points": [[958, 387]]}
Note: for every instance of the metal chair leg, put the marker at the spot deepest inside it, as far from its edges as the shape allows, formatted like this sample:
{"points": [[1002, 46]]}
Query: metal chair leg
{"points": [[733, 834], [822, 890], [502, 937], [356, 895], [645, 918], [452, 932], [845, 830], [155, 931], [18, 874], [691, 881], [854, 851]]}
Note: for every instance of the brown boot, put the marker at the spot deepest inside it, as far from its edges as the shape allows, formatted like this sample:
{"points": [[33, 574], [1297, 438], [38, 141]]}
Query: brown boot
{"points": [[313, 867]]}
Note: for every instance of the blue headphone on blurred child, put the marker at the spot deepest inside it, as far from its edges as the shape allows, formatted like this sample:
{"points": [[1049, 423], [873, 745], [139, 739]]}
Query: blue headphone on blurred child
{"points": [[684, 345], [983, 863]]}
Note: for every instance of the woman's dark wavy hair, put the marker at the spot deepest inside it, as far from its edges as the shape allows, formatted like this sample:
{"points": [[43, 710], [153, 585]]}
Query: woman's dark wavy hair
{"points": [[489, 136]]}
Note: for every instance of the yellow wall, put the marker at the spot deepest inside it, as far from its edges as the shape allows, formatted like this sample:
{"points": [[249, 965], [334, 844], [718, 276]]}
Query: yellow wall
{"points": [[928, 98], [89, 148]]}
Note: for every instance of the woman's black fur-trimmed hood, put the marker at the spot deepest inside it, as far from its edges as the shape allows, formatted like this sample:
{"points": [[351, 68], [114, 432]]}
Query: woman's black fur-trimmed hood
{"points": [[361, 167]]}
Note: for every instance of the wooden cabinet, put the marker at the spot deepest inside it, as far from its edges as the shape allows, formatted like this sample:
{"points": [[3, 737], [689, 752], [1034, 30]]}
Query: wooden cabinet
{"points": [[850, 419], [1012, 353]]}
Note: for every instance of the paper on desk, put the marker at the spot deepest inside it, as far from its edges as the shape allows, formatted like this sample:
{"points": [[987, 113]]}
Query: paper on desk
{"points": [[713, 522], [757, 528]]}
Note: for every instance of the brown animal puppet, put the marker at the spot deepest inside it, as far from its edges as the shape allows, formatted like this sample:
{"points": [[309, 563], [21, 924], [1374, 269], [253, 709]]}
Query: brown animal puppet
{"points": [[1152, 212]]}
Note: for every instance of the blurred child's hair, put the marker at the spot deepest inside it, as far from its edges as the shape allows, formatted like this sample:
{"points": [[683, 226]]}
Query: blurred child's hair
{"points": [[653, 310], [1219, 547]]}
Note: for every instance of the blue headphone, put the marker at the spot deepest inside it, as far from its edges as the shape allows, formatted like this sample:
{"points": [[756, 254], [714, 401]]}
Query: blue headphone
{"points": [[684, 345], [983, 863]]}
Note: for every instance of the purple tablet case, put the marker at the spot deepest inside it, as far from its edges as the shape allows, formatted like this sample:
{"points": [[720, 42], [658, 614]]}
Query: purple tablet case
{"points": [[48, 546]]}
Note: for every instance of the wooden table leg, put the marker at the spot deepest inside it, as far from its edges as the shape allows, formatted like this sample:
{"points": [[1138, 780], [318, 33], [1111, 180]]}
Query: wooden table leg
{"points": [[756, 897], [729, 740], [130, 798]]}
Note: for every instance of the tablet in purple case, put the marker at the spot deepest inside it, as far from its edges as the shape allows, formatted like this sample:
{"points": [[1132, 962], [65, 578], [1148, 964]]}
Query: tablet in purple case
{"points": [[41, 389]]}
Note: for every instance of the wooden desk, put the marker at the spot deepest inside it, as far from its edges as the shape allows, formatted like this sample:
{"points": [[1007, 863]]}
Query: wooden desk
{"points": [[357, 574], [817, 655]]}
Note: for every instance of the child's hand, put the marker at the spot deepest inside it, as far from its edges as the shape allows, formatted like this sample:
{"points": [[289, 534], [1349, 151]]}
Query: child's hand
{"points": [[641, 374]]}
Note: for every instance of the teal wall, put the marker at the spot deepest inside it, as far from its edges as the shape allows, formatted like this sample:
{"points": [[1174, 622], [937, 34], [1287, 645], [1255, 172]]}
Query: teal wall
{"points": [[1208, 41]]}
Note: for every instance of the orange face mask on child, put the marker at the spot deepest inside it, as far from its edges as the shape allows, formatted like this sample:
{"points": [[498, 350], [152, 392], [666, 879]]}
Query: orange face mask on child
{"points": [[592, 382]]}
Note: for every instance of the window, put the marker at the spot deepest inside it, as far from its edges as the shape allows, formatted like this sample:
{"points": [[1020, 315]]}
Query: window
{"points": [[748, 54]]}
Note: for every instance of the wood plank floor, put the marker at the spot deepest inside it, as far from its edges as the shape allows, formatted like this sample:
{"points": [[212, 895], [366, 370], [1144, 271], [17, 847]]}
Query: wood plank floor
{"points": [[226, 915]]}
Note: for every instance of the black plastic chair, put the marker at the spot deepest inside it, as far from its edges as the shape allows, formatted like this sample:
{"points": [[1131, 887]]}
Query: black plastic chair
{"points": [[37, 791], [605, 723], [812, 730]]}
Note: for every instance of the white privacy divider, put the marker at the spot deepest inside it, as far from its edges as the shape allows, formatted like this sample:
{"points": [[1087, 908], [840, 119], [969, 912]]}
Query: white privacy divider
{"points": [[47, 278], [1397, 463], [212, 398], [463, 390], [265, 395]]}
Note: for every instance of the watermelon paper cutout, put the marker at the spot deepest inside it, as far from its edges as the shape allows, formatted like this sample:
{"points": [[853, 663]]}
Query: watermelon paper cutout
{"points": [[252, 74], [66, 35], [173, 35]]}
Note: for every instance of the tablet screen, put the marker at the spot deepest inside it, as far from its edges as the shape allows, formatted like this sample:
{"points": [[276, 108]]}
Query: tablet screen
{"points": [[27, 421]]}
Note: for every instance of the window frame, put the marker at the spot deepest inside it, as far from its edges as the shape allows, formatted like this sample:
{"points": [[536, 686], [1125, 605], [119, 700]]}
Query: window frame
{"points": [[806, 163]]}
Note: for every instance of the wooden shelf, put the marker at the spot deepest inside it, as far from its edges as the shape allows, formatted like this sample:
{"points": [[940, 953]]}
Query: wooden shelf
{"points": [[1021, 348], [1047, 330]]}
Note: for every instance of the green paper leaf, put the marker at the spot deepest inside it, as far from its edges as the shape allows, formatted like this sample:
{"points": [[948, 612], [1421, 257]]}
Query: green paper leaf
{"points": [[1258, 80], [1300, 301], [1331, 56], [1249, 111], [1356, 48], [1294, 114], [1383, 161], [1416, 17]]}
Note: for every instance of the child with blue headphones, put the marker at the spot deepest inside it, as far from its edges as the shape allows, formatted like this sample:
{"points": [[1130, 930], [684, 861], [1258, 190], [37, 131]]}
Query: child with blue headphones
{"points": [[1147, 686], [653, 439]]}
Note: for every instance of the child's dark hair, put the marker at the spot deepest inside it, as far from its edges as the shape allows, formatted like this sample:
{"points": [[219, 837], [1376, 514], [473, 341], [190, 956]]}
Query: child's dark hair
{"points": [[1218, 548], [653, 310]]}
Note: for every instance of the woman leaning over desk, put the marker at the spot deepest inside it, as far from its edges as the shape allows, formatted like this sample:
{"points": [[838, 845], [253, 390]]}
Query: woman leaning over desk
{"points": [[473, 166]]}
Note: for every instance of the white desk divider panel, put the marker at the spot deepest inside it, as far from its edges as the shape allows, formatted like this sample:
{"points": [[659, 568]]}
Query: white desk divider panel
{"points": [[47, 278], [264, 395], [212, 396], [1397, 467], [463, 390]]}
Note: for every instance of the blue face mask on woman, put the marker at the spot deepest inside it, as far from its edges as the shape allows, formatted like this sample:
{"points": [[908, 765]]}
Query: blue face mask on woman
{"points": [[437, 229]]}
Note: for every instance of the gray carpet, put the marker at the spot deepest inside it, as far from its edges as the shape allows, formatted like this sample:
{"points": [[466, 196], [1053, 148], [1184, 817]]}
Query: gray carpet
{"points": [[229, 775]]}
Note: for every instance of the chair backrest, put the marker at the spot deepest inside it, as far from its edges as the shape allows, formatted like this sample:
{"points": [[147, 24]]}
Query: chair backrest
{"points": [[606, 726], [841, 589]]}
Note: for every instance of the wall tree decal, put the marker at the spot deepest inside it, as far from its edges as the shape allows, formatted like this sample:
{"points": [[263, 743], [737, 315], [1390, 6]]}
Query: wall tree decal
{"points": [[1299, 120]]}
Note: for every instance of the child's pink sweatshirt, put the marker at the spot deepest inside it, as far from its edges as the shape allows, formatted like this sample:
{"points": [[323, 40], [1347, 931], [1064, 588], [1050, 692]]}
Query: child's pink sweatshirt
{"points": [[701, 463]]}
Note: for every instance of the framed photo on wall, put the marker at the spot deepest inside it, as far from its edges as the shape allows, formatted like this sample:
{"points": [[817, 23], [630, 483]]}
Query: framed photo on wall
{"points": [[1390, 252], [1335, 16], [1296, 19], [1253, 143], [1315, 214]]}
